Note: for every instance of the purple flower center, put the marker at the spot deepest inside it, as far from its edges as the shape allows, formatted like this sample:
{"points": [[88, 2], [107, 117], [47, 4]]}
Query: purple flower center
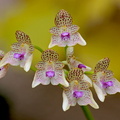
{"points": [[19, 56], [65, 36], [81, 66], [77, 94], [107, 84], [50, 74], [1, 68]]}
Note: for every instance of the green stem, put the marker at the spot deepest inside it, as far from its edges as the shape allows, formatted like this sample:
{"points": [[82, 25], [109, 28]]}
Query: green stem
{"points": [[87, 113], [38, 48], [89, 72], [33, 68]]}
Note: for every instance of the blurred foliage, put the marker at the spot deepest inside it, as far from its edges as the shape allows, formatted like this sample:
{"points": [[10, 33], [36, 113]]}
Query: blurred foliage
{"points": [[99, 22]]}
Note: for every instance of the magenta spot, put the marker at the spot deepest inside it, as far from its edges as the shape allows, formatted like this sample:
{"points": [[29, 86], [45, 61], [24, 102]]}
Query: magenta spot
{"points": [[1, 68], [50, 74], [77, 94], [65, 36], [107, 84], [81, 66], [19, 56]]}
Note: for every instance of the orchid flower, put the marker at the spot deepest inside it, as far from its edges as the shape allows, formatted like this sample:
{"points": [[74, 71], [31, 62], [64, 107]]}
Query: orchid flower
{"points": [[49, 70], [103, 80], [65, 34], [74, 63], [3, 69], [78, 91], [21, 53]]}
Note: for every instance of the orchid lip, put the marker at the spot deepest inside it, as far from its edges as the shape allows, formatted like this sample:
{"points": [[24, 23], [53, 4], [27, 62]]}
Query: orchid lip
{"points": [[107, 84], [77, 94], [65, 36], [19, 56], [81, 66], [50, 74]]}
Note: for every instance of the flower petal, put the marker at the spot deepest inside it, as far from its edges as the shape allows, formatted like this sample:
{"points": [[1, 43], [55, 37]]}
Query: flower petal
{"points": [[3, 70], [22, 37], [63, 18], [55, 30], [49, 55], [75, 74], [65, 104], [76, 38], [87, 79], [28, 63], [40, 78], [102, 65], [59, 78], [40, 65], [87, 98], [58, 65], [73, 63], [93, 103], [16, 46], [115, 88], [72, 29], [9, 58], [1, 54], [101, 95], [56, 40]]}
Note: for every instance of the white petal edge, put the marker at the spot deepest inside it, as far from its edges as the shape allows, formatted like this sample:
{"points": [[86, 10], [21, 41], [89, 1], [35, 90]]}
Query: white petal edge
{"points": [[93, 103], [51, 44], [28, 63], [35, 82], [66, 84], [4, 60], [82, 41], [99, 92], [65, 104], [86, 78]]}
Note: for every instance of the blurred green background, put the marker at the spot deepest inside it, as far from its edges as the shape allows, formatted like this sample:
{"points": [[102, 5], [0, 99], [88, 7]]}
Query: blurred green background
{"points": [[99, 22]]}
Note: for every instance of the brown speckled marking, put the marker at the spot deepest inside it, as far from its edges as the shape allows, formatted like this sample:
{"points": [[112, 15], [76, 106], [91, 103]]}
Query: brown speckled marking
{"points": [[63, 18], [49, 55], [75, 74], [22, 37], [102, 65]]}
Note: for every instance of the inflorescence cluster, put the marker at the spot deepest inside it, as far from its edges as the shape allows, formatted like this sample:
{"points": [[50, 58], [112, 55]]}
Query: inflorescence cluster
{"points": [[74, 80]]}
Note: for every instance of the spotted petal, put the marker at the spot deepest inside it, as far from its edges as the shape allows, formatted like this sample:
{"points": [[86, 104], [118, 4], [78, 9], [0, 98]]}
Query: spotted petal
{"points": [[75, 74], [73, 63], [9, 58], [115, 88], [63, 18], [66, 104], [40, 78], [49, 55], [55, 30], [72, 29], [59, 78], [102, 65], [87, 79], [76, 38], [56, 40], [86, 99], [100, 91], [22, 37]]}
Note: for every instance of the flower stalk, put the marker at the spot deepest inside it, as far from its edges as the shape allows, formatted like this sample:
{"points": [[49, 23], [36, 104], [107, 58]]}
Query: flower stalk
{"points": [[87, 112]]}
